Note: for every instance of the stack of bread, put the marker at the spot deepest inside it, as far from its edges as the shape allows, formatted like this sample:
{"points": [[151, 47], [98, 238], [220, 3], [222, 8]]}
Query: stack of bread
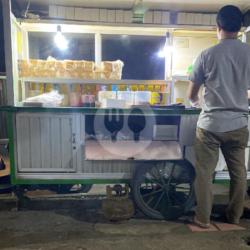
{"points": [[70, 69], [110, 70]]}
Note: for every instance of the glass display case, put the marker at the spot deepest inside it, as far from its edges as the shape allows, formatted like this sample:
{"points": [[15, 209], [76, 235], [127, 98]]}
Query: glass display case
{"points": [[83, 63]]}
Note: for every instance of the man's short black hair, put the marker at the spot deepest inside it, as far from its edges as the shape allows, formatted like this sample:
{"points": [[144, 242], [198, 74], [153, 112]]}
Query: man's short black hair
{"points": [[230, 18]]}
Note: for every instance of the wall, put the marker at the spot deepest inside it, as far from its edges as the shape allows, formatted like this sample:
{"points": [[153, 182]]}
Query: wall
{"points": [[187, 47]]}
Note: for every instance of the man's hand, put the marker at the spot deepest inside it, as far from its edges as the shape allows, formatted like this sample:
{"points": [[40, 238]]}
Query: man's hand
{"points": [[192, 94]]}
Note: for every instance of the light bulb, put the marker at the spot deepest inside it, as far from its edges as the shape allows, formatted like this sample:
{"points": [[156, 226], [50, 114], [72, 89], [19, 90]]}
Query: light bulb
{"points": [[161, 53], [166, 51], [60, 40]]}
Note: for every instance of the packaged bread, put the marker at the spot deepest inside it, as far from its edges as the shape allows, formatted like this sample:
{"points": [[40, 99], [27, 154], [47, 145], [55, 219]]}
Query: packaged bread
{"points": [[23, 68], [112, 66], [51, 73], [23, 64], [106, 75], [69, 65], [89, 65], [43, 73], [115, 76], [42, 64], [67, 69], [59, 65], [85, 65], [50, 64], [60, 73], [87, 75], [33, 62]]}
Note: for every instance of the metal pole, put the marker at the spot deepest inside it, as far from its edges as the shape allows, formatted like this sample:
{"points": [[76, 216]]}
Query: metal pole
{"points": [[6, 4]]}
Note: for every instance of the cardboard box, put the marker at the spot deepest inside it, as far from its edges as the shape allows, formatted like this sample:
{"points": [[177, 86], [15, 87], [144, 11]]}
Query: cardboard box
{"points": [[53, 11], [165, 18], [127, 16], [148, 18], [79, 14], [70, 13], [206, 19], [103, 15], [157, 17], [61, 12], [111, 16], [119, 16], [182, 18]]}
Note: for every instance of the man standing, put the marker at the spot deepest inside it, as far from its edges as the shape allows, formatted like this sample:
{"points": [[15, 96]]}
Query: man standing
{"points": [[225, 72]]}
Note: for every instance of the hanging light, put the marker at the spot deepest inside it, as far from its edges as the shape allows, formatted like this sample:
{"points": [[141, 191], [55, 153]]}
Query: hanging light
{"points": [[167, 49], [60, 40]]}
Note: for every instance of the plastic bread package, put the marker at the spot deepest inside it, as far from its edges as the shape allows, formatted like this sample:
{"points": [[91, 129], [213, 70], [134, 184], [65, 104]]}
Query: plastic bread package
{"points": [[70, 69], [23, 68], [89, 66], [112, 66]]}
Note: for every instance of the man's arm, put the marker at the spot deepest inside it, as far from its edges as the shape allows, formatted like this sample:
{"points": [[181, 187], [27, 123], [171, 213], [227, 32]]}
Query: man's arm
{"points": [[193, 91], [197, 79], [248, 93]]}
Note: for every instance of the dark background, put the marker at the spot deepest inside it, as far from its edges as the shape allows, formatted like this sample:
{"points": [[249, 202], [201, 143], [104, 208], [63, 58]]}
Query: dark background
{"points": [[139, 54], [2, 59], [80, 46]]}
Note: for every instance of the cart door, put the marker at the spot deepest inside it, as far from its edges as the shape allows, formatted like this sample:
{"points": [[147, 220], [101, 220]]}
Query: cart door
{"points": [[46, 142]]}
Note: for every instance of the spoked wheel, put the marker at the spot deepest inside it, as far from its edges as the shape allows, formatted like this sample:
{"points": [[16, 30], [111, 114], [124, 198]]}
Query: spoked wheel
{"points": [[164, 189]]}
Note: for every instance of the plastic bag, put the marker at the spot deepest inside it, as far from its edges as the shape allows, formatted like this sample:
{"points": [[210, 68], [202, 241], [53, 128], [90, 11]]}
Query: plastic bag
{"points": [[51, 99]]}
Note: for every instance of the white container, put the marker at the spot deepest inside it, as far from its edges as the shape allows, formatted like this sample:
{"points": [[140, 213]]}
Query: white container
{"points": [[106, 95], [113, 103], [127, 96], [142, 97], [103, 95]]}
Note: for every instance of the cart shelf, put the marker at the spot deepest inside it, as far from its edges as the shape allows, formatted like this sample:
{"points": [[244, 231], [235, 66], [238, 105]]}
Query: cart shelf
{"points": [[90, 81], [131, 150]]}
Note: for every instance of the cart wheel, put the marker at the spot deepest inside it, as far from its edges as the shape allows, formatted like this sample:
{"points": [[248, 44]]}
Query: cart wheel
{"points": [[164, 189]]}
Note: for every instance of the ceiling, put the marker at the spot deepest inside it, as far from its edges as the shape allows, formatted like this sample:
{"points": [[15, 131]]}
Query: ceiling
{"points": [[178, 5]]}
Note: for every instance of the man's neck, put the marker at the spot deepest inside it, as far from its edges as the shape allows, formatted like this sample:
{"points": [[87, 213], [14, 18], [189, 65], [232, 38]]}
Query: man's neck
{"points": [[229, 35]]}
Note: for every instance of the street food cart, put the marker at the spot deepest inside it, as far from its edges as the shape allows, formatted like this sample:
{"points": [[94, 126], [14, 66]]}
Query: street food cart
{"points": [[93, 136]]}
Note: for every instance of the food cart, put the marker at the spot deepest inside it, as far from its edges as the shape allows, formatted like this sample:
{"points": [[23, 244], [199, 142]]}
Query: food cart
{"points": [[139, 139]]}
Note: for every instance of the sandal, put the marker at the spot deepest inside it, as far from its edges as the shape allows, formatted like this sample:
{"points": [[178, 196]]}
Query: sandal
{"points": [[200, 224]]}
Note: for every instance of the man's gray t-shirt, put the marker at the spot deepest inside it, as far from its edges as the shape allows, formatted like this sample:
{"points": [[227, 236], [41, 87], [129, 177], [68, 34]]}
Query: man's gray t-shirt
{"points": [[225, 72]]}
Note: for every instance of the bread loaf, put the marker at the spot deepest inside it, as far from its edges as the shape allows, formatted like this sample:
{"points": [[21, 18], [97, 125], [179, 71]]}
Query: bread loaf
{"points": [[70, 69]]}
